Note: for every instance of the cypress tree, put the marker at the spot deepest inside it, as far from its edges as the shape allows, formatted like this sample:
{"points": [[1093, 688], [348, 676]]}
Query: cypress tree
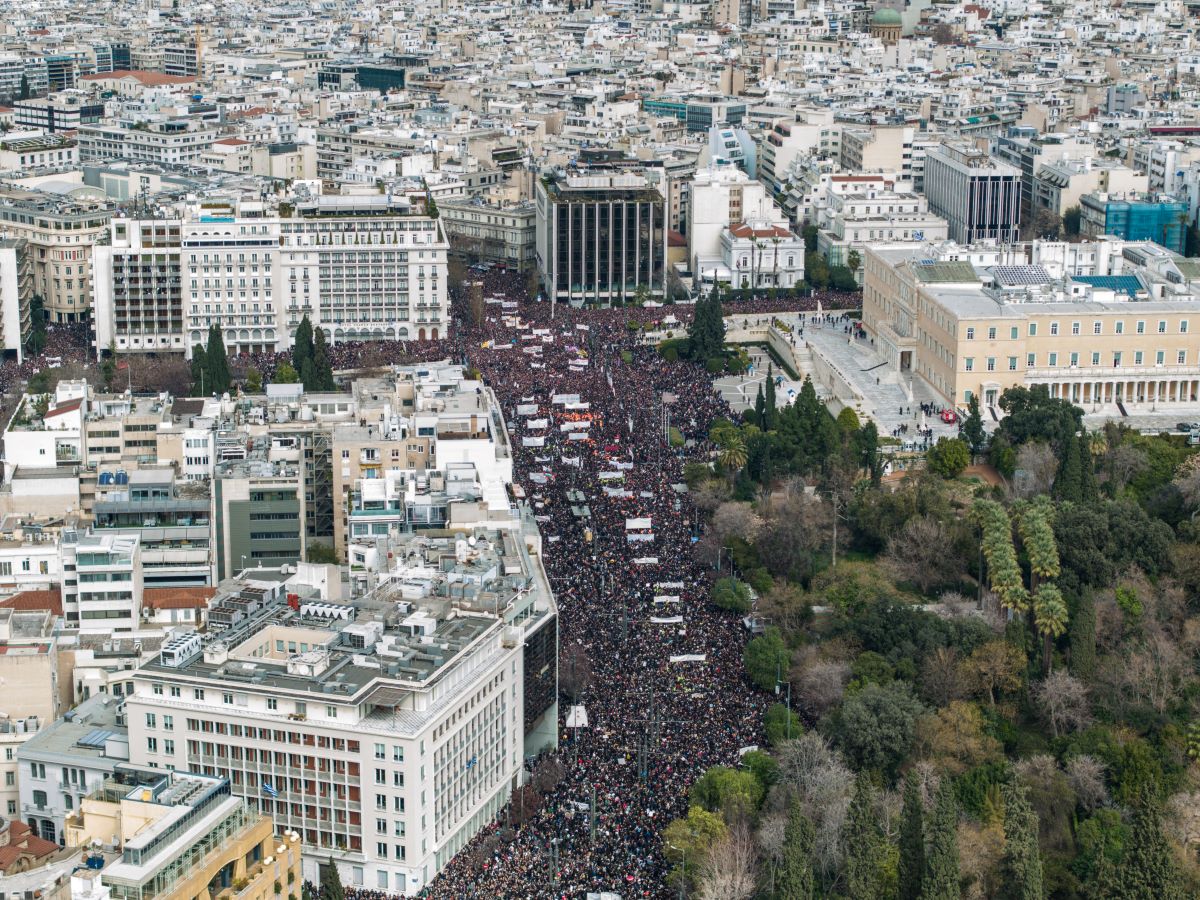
{"points": [[795, 872], [941, 848], [760, 409], [1083, 637], [1148, 868], [331, 883], [864, 843], [1067, 485], [302, 344], [912, 840], [1087, 475], [216, 362], [199, 372], [772, 417], [1022, 862], [321, 365], [971, 429]]}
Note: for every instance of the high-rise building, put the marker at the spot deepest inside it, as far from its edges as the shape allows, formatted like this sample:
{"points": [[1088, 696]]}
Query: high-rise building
{"points": [[601, 238], [979, 198]]}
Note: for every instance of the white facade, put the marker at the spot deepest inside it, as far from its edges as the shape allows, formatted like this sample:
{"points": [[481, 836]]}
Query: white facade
{"points": [[721, 197], [108, 595]]}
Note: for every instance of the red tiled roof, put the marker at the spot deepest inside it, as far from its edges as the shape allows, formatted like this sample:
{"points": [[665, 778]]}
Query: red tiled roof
{"points": [[64, 408], [177, 598], [22, 842], [675, 239], [31, 600], [231, 142], [744, 231], [149, 79]]}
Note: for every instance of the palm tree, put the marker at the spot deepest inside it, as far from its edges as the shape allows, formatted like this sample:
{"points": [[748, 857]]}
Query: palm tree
{"points": [[1037, 535], [732, 450], [756, 259], [775, 261], [1050, 618]]}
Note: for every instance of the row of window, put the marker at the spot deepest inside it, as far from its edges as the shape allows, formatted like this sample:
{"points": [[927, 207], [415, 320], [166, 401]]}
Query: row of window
{"points": [[1097, 328], [1118, 359]]}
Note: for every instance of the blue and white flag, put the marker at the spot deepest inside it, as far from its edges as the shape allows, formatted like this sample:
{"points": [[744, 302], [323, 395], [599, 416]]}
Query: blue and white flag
{"points": [[269, 789]]}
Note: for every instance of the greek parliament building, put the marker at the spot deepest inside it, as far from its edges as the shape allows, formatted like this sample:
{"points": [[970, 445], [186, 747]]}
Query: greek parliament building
{"points": [[601, 238], [1104, 322]]}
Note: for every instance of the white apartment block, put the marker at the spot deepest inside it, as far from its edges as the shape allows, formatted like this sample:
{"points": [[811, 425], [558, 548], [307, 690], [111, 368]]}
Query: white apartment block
{"points": [[387, 739], [361, 270]]}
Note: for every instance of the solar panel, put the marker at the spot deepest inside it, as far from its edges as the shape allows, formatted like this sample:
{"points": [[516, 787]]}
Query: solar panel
{"points": [[1022, 275], [94, 739]]}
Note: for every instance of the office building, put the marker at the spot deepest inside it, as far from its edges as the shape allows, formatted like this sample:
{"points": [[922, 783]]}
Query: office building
{"points": [[258, 512], [386, 734], [58, 113], [1135, 217], [480, 231], [601, 238], [979, 198]]}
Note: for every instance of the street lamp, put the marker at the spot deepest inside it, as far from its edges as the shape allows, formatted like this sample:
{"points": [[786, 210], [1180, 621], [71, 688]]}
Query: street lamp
{"points": [[683, 866], [778, 682]]}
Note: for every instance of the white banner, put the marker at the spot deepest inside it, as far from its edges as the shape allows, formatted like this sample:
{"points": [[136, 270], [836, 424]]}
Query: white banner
{"points": [[668, 585], [575, 426], [577, 436], [536, 424], [646, 561], [639, 536], [533, 442], [666, 598], [577, 407], [561, 399], [666, 620], [527, 409], [689, 657], [638, 524], [611, 476]]}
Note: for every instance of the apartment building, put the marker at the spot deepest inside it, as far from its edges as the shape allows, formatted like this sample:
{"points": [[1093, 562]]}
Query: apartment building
{"points": [[878, 149], [257, 513], [979, 197], [850, 221], [37, 152], [1135, 217], [968, 332], [181, 835], [723, 196], [386, 734], [601, 238], [107, 569], [138, 277], [67, 760], [170, 142], [62, 112], [489, 232], [59, 233], [16, 292]]}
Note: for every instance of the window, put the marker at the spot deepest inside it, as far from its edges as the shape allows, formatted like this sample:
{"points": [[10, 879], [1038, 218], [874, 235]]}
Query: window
{"points": [[992, 333], [169, 723], [1030, 360], [1160, 357], [969, 362], [970, 334], [10, 778], [381, 801], [12, 807], [1096, 358], [1033, 329], [1137, 357], [150, 720], [1053, 360], [227, 698], [1162, 326], [331, 712], [1012, 364], [1097, 327], [1054, 329], [398, 779], [1074, 328], [272, 703], [397, 753], [1141, 327], [152, 744], [1116, 357], [1183, 326], [1074, 360], [991, 364], [381, 850], [158, 689], [198, 693], [39, 799], [1119, 328], [168, 746], [5, 568], [381, 826], [1181, 357], [1012, 332], [380, 776], [380, 751]]}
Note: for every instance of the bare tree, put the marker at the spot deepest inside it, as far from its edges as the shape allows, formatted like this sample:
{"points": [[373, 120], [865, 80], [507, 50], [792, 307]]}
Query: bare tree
{"points": [[574, 671], [917, 554], [1086, 774], [1063, 699], [547, 775], [941, 680], [1153, 674], [1038, 466], [728, 870], [794, 535], [735, 520], [786, 606], [1124, 462], [822, 684], [812, 772]]}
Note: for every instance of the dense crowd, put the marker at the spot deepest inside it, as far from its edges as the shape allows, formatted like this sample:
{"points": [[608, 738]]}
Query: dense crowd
{"points": [[654, 725]]}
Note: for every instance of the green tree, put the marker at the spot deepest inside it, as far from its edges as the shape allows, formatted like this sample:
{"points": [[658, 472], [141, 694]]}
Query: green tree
{"points": [[1067, 483], [760, 408], [772, 413], [877, 725], [795, 881], [1050, 619], [733, 792], [971, 429], [331, 882], [23, 93], [707, 333], [108, 368], [322, 368], [686, 841], [302, 344], [948, 457], [1071, 218], [1022, 861], [1082, 635], [731, 594], [199, 372], [940, 881], [809, 234], [781, 725], [1148, 868], [766, 658], [216, 362], [912, 840], [253, 381], [866, 847], [285, 374]]}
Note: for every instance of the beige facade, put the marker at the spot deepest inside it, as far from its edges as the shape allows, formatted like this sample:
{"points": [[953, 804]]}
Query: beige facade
{"points": [[939, 322]]}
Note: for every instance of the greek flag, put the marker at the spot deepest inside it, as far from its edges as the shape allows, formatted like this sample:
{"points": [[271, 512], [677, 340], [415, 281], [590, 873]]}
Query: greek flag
{"points": [[269, 789], [471, 763]]}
